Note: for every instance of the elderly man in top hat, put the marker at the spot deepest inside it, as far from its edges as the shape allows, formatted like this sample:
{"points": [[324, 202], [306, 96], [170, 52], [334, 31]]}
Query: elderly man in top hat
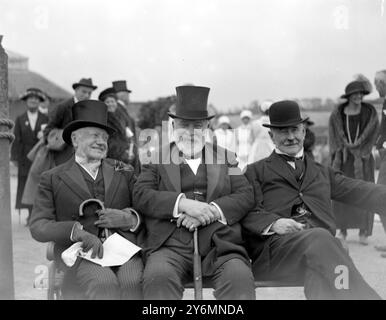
{"points": [[28, 130], [189, 185], [61, 115], [88, 175], [290, 233]]}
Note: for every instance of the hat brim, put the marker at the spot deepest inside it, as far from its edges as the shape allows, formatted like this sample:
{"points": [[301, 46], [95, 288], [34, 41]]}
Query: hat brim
{"points": [[76, 85], [27, 95], [285, 125], [346, 95], [175, 116], [78, 124]]}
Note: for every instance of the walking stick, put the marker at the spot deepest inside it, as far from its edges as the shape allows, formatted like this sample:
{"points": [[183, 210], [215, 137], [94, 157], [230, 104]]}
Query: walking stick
{"points": [[197, 268]]}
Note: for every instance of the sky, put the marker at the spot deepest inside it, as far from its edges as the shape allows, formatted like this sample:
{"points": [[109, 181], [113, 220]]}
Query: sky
{"points": [[244, 50]]}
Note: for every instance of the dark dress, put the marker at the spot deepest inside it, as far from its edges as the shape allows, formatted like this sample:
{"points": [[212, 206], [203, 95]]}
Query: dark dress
{"points": [[348, 217], [25, 139]]}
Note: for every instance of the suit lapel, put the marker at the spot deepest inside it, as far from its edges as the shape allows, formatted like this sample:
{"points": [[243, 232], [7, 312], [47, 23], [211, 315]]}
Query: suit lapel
{"points": [[26, 123], [111, 181], [173, 176], [310, 173], [73, 178], [278, 165]]}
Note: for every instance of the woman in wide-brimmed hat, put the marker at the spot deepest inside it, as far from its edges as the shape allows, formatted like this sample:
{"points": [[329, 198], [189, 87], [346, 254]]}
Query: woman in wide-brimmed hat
{"points": [[353, 128], [28, 130], [224, 134]]}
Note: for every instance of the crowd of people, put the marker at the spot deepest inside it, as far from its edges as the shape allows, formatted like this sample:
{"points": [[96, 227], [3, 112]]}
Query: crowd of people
{"points": [[254, 192]]}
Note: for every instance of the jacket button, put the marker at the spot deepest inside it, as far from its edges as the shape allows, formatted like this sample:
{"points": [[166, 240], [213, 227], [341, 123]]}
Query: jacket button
{"points": [[300, 194]]}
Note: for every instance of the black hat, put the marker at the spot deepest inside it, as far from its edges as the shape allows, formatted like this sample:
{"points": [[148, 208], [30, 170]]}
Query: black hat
{"points": [[120, 85], [109, 92], [87, 113], [84, 82], [33, 92], [354, 87], [191, 103], [284, 114]]}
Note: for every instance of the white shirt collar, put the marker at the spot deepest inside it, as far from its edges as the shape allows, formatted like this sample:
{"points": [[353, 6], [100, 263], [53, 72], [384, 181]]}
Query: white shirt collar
{"points": [[298, 155], [194, 164], [92, 168]]}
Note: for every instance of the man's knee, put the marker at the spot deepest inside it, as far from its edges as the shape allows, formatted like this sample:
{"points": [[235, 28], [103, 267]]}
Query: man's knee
{"points": [[235, 281], [106, 287]]}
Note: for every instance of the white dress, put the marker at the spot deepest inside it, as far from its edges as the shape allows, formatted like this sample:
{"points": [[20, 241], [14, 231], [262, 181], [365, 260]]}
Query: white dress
{"points": [[263, 146], [244, 136], [225, 139]]}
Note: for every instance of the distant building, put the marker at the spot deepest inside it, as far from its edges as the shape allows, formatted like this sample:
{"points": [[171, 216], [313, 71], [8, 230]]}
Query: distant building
{"points": [[21, 78]]}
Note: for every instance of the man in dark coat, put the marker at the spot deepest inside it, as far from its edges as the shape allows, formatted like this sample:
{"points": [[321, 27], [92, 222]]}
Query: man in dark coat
{"points": [[290, 233], [88, 175], [190, 185], [122, 94], [28, 130], [61, 115]]}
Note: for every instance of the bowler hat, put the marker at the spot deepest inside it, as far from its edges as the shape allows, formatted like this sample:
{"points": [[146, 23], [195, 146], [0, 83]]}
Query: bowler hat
{"points": [[354, 87], [87, 113], [109, 92], [84, 82], [192, 103], [284, 114], [120, 85], [33, 92]]}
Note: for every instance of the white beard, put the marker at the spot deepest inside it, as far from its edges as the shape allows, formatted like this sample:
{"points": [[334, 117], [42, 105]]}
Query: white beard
{"points": [[190, 150]]}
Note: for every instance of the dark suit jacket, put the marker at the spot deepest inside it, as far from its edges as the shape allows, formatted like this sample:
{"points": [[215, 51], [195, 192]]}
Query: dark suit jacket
{"points": [[276, 191], [62, 189], [156, 192], [25, 139]]}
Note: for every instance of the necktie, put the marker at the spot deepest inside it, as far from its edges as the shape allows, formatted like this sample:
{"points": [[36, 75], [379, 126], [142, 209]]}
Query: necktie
{"points": [[299, 165]]}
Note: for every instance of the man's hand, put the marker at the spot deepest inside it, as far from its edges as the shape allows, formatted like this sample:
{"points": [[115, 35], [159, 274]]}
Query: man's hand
{"points": [[89, 241], [196, 209], [188, 222], [284, 226], [114, 218]]}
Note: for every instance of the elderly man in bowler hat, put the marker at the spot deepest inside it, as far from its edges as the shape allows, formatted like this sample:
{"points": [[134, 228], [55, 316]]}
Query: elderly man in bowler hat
{"points": [[290, 233], [61, 115], [89, 175], [189, 185]]}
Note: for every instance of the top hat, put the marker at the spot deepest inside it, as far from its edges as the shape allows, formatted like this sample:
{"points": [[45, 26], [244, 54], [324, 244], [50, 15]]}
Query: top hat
{"points": [[191, 103], [33, 92], [109, 92], [354, 87], [87, 113], [84, 82], [120, 85], [284, 114]]}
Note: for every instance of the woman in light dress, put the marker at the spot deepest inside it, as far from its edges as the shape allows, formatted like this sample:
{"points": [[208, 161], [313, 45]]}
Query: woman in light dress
{"points": [[224, 134], [262, 146]]}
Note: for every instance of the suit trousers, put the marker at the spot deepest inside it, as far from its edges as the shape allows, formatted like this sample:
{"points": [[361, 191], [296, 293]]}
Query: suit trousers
{"points": [[170, 267], [104, 283], [316, 257]]}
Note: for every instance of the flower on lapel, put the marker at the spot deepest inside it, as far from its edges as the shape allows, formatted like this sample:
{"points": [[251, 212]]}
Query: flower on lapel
{"points": [[121, 166], [27, 123]]}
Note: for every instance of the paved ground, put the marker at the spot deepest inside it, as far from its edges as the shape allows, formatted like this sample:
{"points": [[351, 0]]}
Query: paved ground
{"points": [[30, 263]]}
